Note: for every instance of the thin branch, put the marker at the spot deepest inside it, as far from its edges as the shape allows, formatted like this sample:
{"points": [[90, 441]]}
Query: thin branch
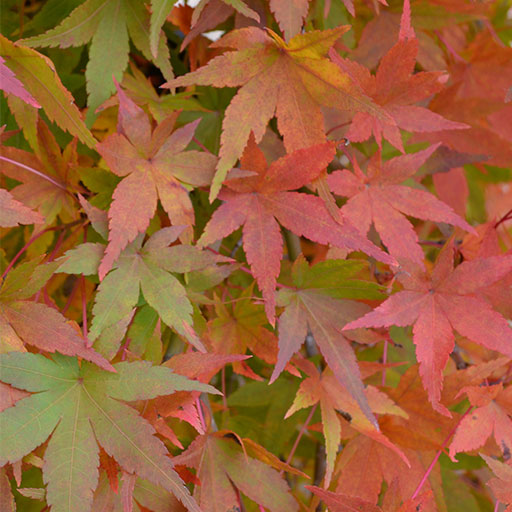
{"points": [[341, 125], [438, 454], [300, 434], [384, 361], [507, 216], [202, 146], [32, 240], [450, 48]]}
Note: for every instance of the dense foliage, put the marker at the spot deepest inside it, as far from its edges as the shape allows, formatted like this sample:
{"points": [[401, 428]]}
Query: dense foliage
{"points": [[271, 272]]}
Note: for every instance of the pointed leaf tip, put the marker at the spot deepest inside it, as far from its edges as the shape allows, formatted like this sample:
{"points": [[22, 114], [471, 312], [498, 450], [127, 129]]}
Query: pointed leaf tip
{"points": [[406, 30]]}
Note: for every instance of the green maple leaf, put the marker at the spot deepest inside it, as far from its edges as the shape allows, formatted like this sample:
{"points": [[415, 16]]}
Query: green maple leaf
{"points": [[107, 24], [80, 407], [38, 76], [146, 267], [321, 304]]}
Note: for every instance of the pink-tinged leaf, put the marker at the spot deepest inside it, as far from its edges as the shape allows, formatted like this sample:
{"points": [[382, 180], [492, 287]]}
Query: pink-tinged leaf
{"points": [[406, 30], [132, 120], [290, 15], [400, 309], [492, 407], [472, 276], [437, 305], [44, 327], [342, 502], [9, 396], [13, 213], [406, 200], [395, 231], [7, 503], [379, 198], [396, 90], [419, 119], [226, 219], [474, 318], [263, 245], [398, 169], [128, 485], [292, 332], [201, 366], [120, 155], [11, 85], [434, 342], [262, 65], [153, 163], [40, 79], [332, 433], [133, 205]]}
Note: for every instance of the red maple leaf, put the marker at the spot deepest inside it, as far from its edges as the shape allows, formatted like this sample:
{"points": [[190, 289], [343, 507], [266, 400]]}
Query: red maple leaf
{"points": [[501, 485], [439, 303], [291, 80], [257, 201], [379, 197], [493, 406], [154, 164], [397, 90]]}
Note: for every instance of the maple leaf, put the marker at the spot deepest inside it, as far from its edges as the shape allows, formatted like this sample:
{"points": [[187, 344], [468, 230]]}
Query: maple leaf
{"points": [[493, 406], [379, 197], [80, 407], [501, 485], [160, 9], [320, 303], [290, 15], [333, 397], [343, 503], [38, 75], [47, 178], [145, 497], [106, 24], [396, 90], [440, 303], [7, 502], [11, 85], [23, 321], [242, 327], [236, 5], [418, 434], [475, 96], [222, 467], [194, 365], [291, 80], [364, 456], [147, 268], [154, 165], [13, 213], [257, 201]]}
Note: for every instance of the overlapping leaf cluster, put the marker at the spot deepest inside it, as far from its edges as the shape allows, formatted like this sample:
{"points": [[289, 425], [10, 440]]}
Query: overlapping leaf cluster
{"points": [[270, 272]]}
